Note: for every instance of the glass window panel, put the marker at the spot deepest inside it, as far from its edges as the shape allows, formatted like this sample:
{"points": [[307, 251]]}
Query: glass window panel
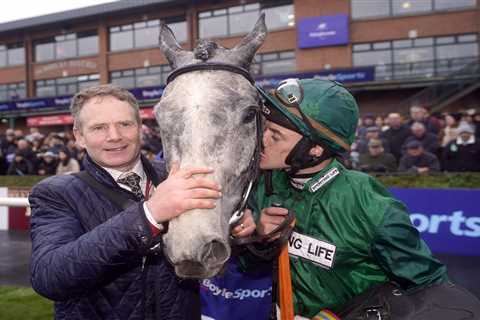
{"points": [[220, 12], [423, 42], [412, 55], [444, 40], [153, 23], [457, 51], [381, 45], [124, 82], [147, 37], [44, 52], [279, 17], [88, 46], [452, 4], [371, 58], [287, 54], [140, 72], [66, 49], [278, 67], [180, 30], [154, 70], [16, 56], [128, 73], [127, 27], [149, 80], [235, 9], [140, 25], [213, 27], [95, 76], [22, 93], [114, 29], [467, 38], [86, 84], [3, 95], [46, 91], [205, 14], [252, 6], [242, 22], [370, 8], [121, 41], [3, 58], [269, 56], [402, 43], [361, 47], [62, 90], [411, 6]]}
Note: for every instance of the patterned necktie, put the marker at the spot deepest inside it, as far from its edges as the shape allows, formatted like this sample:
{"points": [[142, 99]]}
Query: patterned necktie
{"points": [[132, 180]]}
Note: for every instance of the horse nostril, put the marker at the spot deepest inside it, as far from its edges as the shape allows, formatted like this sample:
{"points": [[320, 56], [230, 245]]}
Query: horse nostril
{"points": [[214, 253]]}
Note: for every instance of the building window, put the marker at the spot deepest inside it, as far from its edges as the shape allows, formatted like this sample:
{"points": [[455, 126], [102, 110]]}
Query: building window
{"points": [[145, 34], [12, 91], [12, 55], [66, 46], [383, 8], [240, 19], [65, 86], [274, 63], [143, 77], [420, 57]]}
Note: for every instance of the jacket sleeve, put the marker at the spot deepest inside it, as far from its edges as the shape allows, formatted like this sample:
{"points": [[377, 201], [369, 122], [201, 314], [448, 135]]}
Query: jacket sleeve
{"points": [[402, 254], [67, 261]]}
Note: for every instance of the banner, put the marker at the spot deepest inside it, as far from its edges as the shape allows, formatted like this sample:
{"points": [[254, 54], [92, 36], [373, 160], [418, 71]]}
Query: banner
{"points": [[448, 219], [237, 295], [322, 31]]}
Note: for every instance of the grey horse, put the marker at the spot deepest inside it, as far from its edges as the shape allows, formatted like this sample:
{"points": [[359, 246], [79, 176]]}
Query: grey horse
{"points": [[207, 118]]}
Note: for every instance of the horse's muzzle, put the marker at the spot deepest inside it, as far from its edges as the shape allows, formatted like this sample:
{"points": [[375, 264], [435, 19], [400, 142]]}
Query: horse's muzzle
{"points": [[209, 261]]}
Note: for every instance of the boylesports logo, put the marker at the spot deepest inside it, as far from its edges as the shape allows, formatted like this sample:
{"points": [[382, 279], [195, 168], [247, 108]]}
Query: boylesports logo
{"points": [[238, 294]]}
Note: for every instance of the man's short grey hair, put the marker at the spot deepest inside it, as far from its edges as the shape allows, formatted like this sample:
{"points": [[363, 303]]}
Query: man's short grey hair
{"points": [[104, 90]]}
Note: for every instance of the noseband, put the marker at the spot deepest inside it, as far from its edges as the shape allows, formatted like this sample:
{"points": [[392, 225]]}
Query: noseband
{"points": [[254, 162]]}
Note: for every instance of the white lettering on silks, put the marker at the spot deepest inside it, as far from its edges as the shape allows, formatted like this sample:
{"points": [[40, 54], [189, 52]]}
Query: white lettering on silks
{"points": [[314, 250]]}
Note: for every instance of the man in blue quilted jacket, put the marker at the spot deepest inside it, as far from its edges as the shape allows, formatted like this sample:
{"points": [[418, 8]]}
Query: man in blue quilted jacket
{"points": [[96, 258]]}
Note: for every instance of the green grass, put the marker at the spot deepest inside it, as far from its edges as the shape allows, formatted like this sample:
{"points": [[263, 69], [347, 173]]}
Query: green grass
{"points": [[19, 303]]}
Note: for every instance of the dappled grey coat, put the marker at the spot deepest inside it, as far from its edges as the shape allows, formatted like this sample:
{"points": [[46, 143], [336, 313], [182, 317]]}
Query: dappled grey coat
{"points": [[88, 254]]}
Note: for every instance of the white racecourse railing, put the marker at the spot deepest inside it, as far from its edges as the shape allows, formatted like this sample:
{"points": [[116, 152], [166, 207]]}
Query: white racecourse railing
{"points": [[14, 202]]}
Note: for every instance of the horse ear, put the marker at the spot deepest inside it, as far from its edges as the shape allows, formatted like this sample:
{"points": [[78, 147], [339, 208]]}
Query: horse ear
{"points": [[244, 51], [175, 55]]}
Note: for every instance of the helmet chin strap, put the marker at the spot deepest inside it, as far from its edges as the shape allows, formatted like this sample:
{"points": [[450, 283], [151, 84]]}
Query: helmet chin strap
{"points": [[300, 158]]}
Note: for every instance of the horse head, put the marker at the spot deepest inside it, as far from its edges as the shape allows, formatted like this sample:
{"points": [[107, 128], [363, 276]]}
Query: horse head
{"points": [[208, 116]]}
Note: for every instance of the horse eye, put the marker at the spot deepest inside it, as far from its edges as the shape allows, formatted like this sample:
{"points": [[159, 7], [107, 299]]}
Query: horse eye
{"points": [[249, 115]]}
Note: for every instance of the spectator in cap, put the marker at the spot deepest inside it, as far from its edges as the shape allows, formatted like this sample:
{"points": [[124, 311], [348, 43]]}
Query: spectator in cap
{"points": [[48, 164], [396, 134], [376, 159], [372, 132], [428, 140], [368, 120], [463, 153], [21, 165], [417, 160]]}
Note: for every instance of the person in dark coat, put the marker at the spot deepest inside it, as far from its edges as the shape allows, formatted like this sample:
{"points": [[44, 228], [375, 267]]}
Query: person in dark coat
{"points": [[48, 164], [376, 159], [396, 134], [463, 153], [95, 259], [419, 133], [21, 165], [417, 160]]}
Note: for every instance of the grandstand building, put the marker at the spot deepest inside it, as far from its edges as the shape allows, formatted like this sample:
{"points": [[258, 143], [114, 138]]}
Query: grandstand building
{"points": [[391, 53]]}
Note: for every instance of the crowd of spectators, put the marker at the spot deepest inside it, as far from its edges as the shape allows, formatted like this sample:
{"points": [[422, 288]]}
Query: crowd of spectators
{"points": [[421, 143], [36, 153]]}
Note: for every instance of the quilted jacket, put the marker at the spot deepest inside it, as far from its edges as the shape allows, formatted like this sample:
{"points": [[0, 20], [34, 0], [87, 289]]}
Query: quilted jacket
{"points": [[95, 259]]}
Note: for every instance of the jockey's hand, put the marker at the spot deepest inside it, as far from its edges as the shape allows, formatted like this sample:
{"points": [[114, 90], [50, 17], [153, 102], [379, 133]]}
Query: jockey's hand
{"points": [[246, 225], [182, 191], [270, 219]]}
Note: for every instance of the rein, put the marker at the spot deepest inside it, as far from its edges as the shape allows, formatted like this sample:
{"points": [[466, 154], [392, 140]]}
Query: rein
{"points": [[254, 162]]}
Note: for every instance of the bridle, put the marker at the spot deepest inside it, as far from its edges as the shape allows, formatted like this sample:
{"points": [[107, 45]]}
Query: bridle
{"points": [[253, 167]]}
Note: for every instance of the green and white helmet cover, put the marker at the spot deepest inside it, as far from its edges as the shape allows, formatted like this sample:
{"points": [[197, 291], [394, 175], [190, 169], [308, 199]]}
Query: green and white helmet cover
{"points": [[330, 108]]}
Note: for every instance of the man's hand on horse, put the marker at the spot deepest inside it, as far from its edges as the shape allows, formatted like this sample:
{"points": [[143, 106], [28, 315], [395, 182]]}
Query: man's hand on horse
{"points": [[246, 225], [182, 191], [270, 219]]}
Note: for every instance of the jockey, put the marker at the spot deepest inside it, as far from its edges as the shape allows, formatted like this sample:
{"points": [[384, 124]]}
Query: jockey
{"points": [[351, 236]]}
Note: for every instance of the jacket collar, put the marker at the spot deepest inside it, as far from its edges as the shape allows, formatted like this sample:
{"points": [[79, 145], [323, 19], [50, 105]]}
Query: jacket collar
{"points": [[105, 178], [320, 179]]}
